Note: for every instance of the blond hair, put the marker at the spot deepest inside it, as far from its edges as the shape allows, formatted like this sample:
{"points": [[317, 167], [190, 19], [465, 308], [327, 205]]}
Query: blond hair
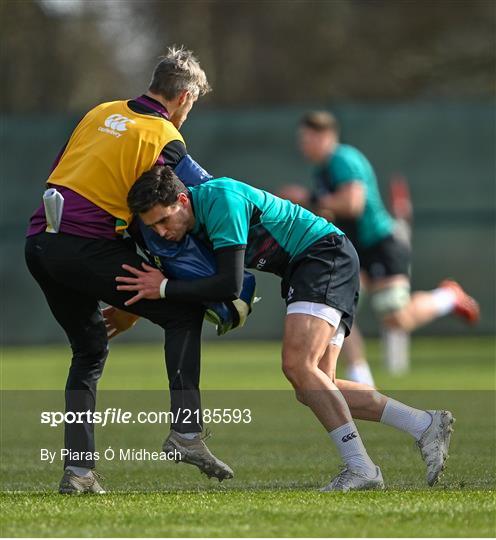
{"points": [[178, 70]]}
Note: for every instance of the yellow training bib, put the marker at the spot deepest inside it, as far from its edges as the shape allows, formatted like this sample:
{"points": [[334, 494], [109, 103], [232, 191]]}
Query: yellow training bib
{"points": [[108, 151]]}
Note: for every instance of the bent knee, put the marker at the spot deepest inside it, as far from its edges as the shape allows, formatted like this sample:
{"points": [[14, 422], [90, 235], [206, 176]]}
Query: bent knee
{"points": [[297, 372], [89, 359], [398, 319], [290, 371], [390, 301], [301, 398], [393, 319]]}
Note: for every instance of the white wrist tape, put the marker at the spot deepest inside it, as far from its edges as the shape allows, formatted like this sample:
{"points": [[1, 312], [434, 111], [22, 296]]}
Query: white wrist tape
{"points": [[163, 285]]}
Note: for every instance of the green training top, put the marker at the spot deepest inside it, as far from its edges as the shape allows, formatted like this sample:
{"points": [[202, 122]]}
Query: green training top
{"points": [[230, 213], [347, 164]]}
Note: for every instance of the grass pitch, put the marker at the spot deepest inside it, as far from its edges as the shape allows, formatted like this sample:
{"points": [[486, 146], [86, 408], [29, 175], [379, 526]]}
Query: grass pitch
{"points": [[297, 513], [279, 461]]}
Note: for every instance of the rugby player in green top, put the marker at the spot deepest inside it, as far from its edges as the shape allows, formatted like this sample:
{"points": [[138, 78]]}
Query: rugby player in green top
{"points": [[319, 268], [346, 192]]}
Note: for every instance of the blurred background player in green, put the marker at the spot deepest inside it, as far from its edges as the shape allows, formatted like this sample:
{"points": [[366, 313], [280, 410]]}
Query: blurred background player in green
{"points": [[346, 191]]}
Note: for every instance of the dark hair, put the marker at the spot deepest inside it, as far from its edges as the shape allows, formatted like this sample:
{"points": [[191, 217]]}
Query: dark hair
{"points": [[320, 121], [157, 186], [178, 70]]}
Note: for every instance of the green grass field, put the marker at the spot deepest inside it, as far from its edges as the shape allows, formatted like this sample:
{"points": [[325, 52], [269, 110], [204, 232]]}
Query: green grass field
{"points": [[279, 460]]}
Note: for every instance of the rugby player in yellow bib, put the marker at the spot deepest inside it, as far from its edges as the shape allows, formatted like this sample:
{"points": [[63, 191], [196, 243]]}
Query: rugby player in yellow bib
{"points": [[76, 267]]}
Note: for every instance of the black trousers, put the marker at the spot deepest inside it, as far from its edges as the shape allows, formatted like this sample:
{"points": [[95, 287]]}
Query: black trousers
{"points": [[74, 274]]}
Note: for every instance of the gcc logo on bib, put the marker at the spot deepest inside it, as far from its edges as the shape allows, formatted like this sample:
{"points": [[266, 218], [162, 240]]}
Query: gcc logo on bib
{"points": [[115, 123]]}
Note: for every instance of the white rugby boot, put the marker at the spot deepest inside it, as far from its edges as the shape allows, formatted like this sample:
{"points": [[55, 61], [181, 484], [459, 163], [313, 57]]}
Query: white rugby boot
{"points": [[434, 444], [348, 480]]}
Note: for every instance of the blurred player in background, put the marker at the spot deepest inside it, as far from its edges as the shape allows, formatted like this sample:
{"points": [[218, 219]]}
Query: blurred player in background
{"points": [[346, 192]]}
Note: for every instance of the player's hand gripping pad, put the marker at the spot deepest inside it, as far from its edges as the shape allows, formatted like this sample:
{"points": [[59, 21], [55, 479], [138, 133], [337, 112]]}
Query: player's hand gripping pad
{"points": [[192, 259]]}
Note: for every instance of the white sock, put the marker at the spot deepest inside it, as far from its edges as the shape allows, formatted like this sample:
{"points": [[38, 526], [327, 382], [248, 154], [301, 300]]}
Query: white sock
{"points": [[444, 300], [360, 372], [396, 344], [79, 471], [401, 416], [189, 436], [350, 446]]}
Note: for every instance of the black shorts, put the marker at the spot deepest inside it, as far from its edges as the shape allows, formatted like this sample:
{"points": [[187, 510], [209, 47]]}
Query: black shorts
{"points": [[327, 272], [389, 257]]}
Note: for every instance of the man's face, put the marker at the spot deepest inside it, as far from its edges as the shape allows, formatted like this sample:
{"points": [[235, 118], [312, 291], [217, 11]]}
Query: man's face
{"points": [[170, 222], [316, 145], [185, 103]]}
